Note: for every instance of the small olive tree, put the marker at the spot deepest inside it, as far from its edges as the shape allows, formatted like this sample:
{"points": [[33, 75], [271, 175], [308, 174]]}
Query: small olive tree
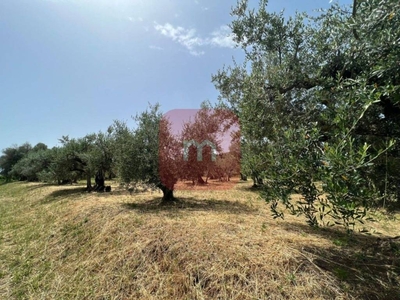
{"points": [[149, 153]]}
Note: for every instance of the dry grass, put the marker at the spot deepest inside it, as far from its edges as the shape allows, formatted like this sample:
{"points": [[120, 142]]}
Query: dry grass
{"points": [[58, 242]]}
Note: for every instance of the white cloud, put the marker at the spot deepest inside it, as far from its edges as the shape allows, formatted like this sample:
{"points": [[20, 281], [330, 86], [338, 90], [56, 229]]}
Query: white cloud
{"points": [[185, 37], [188, 38], [222, 37]]}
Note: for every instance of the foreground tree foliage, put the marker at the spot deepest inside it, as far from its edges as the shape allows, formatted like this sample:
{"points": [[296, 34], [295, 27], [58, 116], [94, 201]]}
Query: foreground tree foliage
{"points": [[318, 100]]}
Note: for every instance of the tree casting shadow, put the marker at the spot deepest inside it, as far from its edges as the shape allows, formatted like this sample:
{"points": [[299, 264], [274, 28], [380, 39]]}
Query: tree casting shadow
{"points": [[190, 204]]}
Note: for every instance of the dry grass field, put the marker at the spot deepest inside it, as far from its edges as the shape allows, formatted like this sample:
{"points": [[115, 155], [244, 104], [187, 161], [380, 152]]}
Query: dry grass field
{"points": [[59, 242]]}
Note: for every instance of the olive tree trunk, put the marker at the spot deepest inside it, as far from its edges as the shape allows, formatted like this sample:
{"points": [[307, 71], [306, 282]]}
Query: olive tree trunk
{"points": [[88, 182], [168, 194]]}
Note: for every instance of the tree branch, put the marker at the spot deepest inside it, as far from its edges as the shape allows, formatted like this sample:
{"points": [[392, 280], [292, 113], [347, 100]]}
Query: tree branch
{"points": [[354, 17], [299, 84]]}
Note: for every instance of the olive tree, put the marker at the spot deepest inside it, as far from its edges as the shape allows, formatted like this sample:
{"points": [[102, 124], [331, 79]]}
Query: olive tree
{"points": [[319, 103], [149, 153]]}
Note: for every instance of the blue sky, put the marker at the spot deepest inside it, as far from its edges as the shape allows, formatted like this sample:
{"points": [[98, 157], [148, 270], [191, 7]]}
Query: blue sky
{"points": [[71, 67]]}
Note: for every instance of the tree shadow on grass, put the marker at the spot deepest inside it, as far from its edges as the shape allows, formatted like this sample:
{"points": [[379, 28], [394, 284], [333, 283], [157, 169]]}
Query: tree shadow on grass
{"points": [[191, 204], [76, 190], [64, 193], [368, 265], [39, 186], [246, 187]]}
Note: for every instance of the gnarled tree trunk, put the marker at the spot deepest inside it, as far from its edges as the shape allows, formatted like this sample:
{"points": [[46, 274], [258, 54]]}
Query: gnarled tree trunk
{"points": [[88, 182], [168, 194], [99, 187]]}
